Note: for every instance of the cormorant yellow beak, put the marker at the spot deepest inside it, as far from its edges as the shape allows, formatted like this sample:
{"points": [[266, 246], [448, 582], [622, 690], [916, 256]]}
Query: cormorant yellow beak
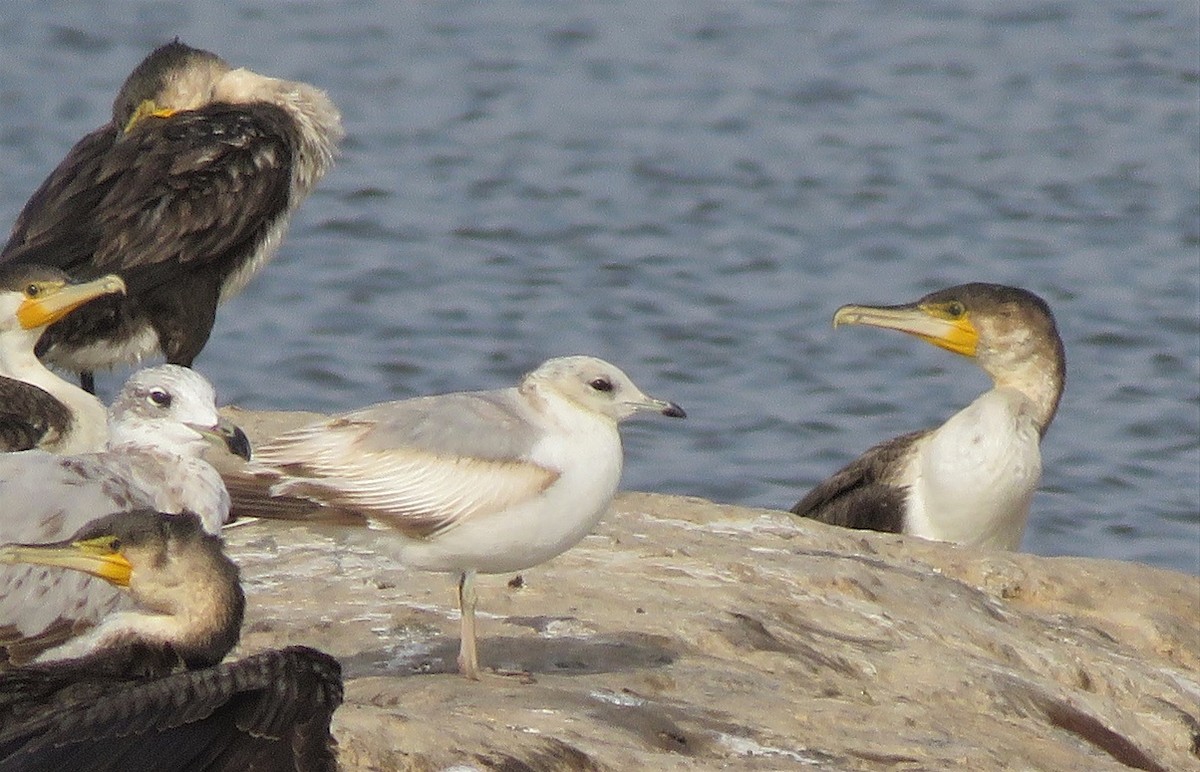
{"points": [[946, 325], [48, 301], [99, 557], [147, 109]]}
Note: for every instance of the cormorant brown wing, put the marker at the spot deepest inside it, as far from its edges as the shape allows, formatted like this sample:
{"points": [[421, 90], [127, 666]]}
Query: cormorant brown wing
{"points": [[267, 712], [863, 494], [29, 415], [176, 207]]}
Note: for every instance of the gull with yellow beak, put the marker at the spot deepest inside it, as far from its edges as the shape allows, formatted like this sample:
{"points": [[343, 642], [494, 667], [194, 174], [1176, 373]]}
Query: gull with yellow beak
{"points": [[146, 688], [160, 424], [185, 192], [970, 480], [37, 408]]}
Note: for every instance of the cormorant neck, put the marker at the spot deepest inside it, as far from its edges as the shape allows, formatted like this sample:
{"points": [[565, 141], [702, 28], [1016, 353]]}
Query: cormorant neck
{"points": [[89, 426], [1040, 376]]}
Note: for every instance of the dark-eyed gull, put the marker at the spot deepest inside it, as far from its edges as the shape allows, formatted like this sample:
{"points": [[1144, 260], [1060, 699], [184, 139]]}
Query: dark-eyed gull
{"points": [[146, 689], [971, 479], [185, 192], [160, 424], [465, 483], [37, 408]]}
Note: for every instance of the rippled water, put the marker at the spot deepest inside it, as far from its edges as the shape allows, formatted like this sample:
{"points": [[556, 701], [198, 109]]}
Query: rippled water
{"points": [[690, 189]]}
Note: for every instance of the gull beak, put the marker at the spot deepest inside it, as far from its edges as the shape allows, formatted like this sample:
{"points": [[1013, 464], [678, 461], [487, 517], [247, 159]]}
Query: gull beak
{"points": [[658, 406], [953, 334], [228, 436], [56, 302], [99, 557]]}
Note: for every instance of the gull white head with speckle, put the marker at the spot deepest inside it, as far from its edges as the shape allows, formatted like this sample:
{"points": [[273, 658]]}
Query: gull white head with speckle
{"points": [[171, 408]]}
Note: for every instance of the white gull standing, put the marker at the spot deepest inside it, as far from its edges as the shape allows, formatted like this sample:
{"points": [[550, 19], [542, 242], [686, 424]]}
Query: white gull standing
{"points": [[465, 483], [159, 426]]}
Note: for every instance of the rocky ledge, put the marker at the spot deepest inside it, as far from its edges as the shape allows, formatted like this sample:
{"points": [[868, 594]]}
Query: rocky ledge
{"points": [[685, 634]]}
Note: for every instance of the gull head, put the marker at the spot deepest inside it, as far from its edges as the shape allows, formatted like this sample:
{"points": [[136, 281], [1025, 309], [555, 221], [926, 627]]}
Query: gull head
{"points": [[597, 386], [171, 408]]}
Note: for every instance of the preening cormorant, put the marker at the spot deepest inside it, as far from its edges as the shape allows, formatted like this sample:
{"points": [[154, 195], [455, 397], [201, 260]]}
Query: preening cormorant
{"points": [[185, 193]]}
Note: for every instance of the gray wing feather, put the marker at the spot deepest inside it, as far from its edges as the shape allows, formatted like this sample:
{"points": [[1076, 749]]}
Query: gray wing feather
{"points": [[487, 425]]}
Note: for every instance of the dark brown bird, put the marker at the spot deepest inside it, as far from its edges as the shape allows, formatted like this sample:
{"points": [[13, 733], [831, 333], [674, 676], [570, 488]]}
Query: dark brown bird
{"points": [[185, 193], [146, 689], [971, 479]]}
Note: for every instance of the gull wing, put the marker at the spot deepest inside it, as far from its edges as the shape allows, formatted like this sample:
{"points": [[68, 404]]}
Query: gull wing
{"points": [[417, 466]]}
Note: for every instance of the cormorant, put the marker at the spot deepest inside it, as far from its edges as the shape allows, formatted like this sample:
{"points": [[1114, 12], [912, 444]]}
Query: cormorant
{"points": [[971, 479], [185, 193], [465, 483], [37, 408], [145, 689]]}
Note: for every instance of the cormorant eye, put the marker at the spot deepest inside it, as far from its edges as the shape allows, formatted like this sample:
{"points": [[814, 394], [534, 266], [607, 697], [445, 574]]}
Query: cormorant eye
{"points": [[601, 384], [33, 290], [160, 398], [955, 309]]}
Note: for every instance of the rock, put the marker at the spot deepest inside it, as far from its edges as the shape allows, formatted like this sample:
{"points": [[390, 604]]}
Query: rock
{"points": [[685, 634]]}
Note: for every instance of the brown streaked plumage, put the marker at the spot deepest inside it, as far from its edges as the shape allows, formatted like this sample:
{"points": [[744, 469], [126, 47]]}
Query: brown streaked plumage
{"points": [[163, 421]]}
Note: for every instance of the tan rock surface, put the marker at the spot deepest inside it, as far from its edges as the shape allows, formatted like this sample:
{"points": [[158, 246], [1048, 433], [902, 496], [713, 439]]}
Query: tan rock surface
{"points": [[689, 635]]}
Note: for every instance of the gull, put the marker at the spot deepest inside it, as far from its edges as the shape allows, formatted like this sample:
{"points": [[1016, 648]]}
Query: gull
{"points": [[37, 408], [186, 192], [159, 425], [970, 480], [464, 483], [146, 689]]}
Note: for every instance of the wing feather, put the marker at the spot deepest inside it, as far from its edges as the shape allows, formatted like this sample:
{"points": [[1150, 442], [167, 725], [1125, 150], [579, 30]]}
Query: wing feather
{"points": [[405, 467], [143, 203], [866, 493]]}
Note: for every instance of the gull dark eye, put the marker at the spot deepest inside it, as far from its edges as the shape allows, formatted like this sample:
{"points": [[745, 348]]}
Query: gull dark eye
{"points": [[601, 384], [160, 397]]}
